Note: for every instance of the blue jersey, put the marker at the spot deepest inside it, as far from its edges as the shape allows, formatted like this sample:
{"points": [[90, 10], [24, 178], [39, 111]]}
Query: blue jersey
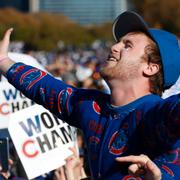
{"points": [[150, 125]]}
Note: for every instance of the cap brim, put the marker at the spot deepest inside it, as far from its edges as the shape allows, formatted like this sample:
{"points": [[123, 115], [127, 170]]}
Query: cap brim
{"points": [[129, 22]]}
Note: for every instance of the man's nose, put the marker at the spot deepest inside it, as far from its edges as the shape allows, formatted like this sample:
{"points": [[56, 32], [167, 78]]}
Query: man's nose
{"points": [[116, 48]]}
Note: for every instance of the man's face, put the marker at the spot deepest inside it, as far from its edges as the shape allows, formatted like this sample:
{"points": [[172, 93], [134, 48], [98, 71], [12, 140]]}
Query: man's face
{"points": [[125, 60]]}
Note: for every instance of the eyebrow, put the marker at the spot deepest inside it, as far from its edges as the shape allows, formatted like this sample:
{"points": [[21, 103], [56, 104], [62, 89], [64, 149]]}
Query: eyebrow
{"points": [[131, 33], [127, 41]]}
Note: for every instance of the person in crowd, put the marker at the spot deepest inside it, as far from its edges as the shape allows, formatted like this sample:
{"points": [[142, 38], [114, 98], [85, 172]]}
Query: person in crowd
{"points": [[72, 170], [4, 175], [133, 119]]}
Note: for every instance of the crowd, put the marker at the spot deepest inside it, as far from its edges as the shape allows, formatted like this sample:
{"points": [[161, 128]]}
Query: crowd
{"points": [[76, 66]]}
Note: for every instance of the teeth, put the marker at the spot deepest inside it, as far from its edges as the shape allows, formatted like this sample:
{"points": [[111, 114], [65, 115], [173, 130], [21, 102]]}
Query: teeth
{"points": [[112, 59]]}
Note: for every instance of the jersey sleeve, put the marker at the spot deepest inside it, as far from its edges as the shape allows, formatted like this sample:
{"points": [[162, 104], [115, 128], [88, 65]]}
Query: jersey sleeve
{"points": [[161, 124], [43, 89]]}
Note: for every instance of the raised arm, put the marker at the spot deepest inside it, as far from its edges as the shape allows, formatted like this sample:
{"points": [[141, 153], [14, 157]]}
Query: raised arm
{"points": [[5, 61], [37, 85]]}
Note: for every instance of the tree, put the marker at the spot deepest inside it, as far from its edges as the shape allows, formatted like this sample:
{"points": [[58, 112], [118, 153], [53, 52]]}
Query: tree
{"points": [[160, 13], [44, 30]]}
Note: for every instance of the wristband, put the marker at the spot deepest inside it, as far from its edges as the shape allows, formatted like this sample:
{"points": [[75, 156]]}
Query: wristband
{"points": [[2, 58]]}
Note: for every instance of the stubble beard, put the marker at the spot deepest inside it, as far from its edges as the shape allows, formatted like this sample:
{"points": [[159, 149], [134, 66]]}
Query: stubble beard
{"points": [[122, 71]]}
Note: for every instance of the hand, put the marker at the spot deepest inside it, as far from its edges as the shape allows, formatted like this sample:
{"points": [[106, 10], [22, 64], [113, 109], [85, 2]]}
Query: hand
{"points": [[59, 174], [73, 166], [72, 170], [5, 175], [5, 43], [5, 62], [142, 165], [73, 161]]}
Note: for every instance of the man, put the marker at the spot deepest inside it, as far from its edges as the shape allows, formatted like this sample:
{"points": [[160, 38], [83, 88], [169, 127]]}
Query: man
{"points": [[133, 120]]}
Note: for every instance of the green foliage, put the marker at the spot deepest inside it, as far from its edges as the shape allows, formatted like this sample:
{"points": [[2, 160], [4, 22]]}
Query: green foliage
{"points": [[43, 30]]}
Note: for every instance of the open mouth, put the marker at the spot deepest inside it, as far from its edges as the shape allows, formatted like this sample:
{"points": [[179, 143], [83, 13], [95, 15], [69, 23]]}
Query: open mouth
{"points": [[112, 58]]}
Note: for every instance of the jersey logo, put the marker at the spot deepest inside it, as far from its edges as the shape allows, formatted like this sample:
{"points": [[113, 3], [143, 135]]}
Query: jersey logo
{"points": [[17, 68], [117, 143], [59, 102], [69, 91], [94, 140], [130, 177], [96, 107], [63, 99], [95, 127], [171, 157], [30, 77], [168, 170], [93, 145]]}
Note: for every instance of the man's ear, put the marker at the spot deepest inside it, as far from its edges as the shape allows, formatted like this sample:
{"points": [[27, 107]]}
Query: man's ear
{"points": [[151, 69]]}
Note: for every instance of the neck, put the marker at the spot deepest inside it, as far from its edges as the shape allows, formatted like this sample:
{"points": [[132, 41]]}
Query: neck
{"points": [[123, 93]]}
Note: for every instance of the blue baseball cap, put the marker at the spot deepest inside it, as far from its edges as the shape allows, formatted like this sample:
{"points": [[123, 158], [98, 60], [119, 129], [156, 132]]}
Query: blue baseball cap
{"points": [[168, 44]]}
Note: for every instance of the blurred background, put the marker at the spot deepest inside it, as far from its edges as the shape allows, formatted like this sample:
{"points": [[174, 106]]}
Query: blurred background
{"points": [[71, 38], [46, 24], [63, 34]]}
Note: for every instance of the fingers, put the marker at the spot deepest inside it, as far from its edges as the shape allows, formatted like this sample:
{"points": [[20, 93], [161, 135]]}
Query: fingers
{"points": [[138, 164], [7, 34], [73, 156], [70, 158], [141, 159], [73, 149], [72, 162], [10, 162], [141, 165], [59, 174], [136, 170], [152, 167], [5, 42]]}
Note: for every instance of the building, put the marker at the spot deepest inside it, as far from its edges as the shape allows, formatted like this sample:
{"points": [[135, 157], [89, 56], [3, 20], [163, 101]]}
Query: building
{"points": [[82, 11], [21, 5]]}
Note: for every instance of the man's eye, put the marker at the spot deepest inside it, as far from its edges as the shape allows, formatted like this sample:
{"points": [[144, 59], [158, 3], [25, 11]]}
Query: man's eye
{"points": [[127, 45]]}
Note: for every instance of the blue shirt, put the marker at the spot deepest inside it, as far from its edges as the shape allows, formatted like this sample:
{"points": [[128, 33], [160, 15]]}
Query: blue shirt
{"points": [[149, 125]]}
